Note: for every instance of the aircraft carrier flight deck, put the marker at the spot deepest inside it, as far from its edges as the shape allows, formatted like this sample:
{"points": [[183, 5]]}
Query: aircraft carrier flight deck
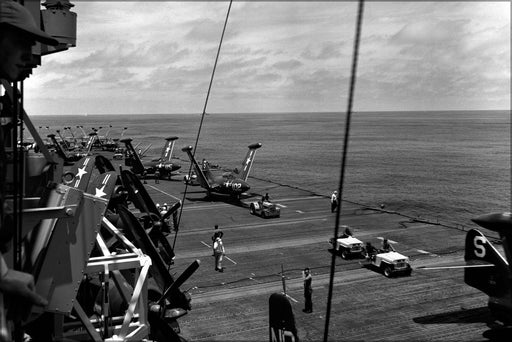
{"points": [[434, 305]]}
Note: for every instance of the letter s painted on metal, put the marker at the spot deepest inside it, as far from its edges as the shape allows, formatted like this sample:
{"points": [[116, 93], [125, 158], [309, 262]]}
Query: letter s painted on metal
{"points": [[479, 242]]}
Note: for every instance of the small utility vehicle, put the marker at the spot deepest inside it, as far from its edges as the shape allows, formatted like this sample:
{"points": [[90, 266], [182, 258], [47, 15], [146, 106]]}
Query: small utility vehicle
{"points": [[348, 246], [264, 209]]}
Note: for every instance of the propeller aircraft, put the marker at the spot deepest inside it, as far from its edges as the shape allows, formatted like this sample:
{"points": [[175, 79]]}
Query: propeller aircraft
{"points": [[486, 269], [231, 183]]}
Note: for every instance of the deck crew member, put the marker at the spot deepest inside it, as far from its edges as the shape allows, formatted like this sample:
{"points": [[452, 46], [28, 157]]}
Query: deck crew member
{"points": [[18, 33], [157, 177], [218, 248], [370, 251], [334, 201], [346, 233], [216, 232], [308, 291], [386, 246]]}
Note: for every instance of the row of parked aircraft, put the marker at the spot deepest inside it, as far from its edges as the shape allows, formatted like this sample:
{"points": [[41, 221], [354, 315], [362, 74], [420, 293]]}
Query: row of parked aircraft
{"points": [[232, 183]]}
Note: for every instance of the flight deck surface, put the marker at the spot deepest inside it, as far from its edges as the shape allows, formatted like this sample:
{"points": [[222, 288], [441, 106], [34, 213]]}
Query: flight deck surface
{"points": [[431, 305]]}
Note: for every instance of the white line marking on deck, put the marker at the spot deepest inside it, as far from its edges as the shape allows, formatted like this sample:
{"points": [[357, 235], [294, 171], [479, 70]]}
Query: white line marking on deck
{"points": [[230, 259], [281, 205], [300, 198], [254, 280], [299, 211], [390, 241], [426, 252], [293, 299], [453, 267], [163, 192], [207, 245]]}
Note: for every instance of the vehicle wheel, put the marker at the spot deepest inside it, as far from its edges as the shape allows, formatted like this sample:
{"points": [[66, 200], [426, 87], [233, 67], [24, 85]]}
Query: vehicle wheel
{"points": [[263, 214], [344, 254], [252, 210], [387, 272]]}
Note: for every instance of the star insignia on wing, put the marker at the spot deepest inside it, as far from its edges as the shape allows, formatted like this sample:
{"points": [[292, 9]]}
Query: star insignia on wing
{"points": [[100, 192], [81, 172]]}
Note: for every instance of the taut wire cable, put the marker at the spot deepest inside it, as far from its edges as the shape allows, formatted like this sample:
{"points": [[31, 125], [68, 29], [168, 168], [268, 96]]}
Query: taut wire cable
{"points": [[344, 157], [202, 117]]}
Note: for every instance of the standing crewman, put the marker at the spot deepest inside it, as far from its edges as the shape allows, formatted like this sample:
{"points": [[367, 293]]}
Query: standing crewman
{"points": [[218, 248], [216, 232], [18, 33], [334, 201], [157, 177], [308, 291]]}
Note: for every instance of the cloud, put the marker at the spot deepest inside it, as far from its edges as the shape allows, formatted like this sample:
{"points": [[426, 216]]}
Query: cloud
{"points": [[429, 32], [282, 54], [325, 50], [205, 30], [287, 65]]}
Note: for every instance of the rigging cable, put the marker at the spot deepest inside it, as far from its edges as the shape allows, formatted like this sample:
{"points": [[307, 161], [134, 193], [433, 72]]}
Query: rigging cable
{"points": [[202, 118], [344, 157]]}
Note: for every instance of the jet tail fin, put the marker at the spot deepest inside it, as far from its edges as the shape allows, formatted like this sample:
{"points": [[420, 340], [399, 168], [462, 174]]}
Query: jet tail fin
{"points": [[201, 176], [137, 167], [501, 223], [166, 154], [490, 280], [248, 160]]}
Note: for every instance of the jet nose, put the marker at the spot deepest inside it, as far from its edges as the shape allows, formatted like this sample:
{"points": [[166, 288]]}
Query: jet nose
{"points": [[244, 186]]}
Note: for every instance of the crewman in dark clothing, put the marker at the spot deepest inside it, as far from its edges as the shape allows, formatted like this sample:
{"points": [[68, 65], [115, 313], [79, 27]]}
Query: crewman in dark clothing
{"points": [[346, 233], [18, 34], [370, 251], [386, 246], [308, 291]]}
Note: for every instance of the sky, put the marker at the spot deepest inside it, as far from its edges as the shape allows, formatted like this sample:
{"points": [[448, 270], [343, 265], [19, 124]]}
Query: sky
{"points": [[141, 57]]}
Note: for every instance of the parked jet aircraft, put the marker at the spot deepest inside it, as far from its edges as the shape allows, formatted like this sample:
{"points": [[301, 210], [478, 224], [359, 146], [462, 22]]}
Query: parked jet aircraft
{"points": [[163, 165], [486, 269], [231, 183]]}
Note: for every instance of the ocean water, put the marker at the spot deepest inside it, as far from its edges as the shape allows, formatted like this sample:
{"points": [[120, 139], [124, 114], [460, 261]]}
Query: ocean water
{"points": [[445, 166]]}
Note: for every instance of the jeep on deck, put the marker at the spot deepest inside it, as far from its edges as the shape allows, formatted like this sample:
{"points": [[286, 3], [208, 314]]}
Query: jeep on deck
{"points": [[265, 209], [391, 263], [348, 246]]}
